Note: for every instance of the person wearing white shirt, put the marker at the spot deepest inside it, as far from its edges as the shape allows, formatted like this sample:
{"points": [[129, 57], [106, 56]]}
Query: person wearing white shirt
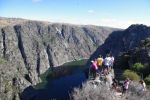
{"points": [[107, 64], [143, 85], [112, 60]]}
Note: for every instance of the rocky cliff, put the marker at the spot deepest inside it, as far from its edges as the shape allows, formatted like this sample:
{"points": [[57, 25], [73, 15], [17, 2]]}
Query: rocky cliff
{"points": [[123, 40], [29, 48], [138, 54], [129, 46]]}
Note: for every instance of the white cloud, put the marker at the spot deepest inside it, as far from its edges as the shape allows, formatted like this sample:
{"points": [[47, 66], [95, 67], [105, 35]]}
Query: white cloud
{"points": [[91, 11], [111, 22], [36, 1], [116, 23]]}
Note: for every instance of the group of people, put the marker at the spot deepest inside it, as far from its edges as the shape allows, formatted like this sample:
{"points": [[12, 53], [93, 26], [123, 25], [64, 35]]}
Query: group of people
{"points": [[101, 65], [104, 66]]}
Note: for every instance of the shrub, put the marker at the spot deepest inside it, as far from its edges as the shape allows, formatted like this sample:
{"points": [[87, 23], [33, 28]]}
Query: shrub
{"points": [[102, 92], [137, 67], [147, 80], [130, 74], [2, 61], [93, 92]]}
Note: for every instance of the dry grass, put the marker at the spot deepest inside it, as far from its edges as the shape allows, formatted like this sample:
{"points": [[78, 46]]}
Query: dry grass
{"points": [[4, 21], [10, 21], [101, 92], [93, 92]]}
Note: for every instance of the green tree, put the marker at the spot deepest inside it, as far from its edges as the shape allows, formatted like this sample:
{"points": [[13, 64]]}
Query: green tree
{"points": [[137, 67], [147, 79]]}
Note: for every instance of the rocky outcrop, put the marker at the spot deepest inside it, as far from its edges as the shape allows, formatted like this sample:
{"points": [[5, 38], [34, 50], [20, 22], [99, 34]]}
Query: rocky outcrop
{"points": [[31, 47], [141, 54], [129, 46], [123, 40], [12, 81]]}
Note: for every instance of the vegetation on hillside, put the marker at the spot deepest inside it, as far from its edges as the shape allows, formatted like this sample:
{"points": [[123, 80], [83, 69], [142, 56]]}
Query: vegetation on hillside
{"points": [[131, 75], [136, 62], [2, 61], [147, 80], [137, 67]]}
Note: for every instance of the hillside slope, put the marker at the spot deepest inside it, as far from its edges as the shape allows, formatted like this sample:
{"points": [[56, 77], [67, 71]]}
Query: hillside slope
{"points": [[31, 47], [123, 40]]}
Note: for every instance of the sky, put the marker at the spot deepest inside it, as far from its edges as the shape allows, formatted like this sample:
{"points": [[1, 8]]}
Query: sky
{"points": [[112, 13]]}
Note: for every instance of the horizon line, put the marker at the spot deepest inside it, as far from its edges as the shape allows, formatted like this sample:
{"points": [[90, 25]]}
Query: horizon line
{"points": [[70, 23]]}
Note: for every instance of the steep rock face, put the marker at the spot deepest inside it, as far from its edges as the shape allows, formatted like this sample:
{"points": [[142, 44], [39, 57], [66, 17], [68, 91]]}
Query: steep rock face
{"points": [[141, 54], [134, 34], [30, 48], [123, 40], [129, 46], [12, 81]]}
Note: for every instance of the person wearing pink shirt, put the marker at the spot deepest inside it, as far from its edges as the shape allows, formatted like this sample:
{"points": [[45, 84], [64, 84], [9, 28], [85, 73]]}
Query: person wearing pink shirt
{"points": [[125, 85], [94, 68]]}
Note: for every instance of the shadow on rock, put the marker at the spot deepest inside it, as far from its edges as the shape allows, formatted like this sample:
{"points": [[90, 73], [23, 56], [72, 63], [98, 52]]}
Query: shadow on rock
{"points": [[29, 94], [113, 44]]}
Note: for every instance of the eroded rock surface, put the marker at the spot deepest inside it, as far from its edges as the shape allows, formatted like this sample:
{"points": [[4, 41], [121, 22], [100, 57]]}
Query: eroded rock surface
{"points": [[29, 48]]}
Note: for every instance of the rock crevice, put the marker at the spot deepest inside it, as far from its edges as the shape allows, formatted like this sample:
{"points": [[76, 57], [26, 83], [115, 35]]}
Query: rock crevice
{"points": [[50, 59], [38, 59], [4, 44], [17, 29]]}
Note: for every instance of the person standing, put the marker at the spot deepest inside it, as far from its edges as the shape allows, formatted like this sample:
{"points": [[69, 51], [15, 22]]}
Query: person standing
{"points": [[99, 63], [125, 85], [94, 68], [143, 85], [107, 64], [111, 61]]}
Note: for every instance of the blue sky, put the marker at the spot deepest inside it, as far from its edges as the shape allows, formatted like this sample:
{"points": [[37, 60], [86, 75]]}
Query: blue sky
{"points": [[114, 13]]}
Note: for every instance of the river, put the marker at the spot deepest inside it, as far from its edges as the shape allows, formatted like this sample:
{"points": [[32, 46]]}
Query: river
{"points": [[56, 89]]}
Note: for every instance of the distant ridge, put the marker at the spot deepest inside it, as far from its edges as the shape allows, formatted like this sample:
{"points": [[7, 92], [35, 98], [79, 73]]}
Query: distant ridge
{"points": [[5, 21]]}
